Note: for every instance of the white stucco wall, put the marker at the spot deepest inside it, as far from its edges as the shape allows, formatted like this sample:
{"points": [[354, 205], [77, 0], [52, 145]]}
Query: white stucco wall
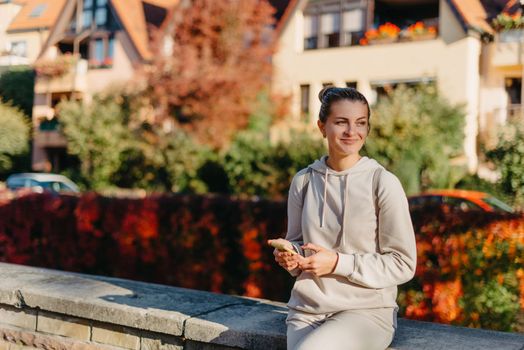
{"points": [[452, 60]]}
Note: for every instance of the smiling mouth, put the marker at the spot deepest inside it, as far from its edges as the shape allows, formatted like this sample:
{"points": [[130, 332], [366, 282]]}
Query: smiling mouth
{"points": [[348, 140]]}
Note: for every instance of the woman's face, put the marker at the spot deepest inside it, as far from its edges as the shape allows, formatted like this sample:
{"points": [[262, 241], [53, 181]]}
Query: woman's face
{"points": [[346, 127]]}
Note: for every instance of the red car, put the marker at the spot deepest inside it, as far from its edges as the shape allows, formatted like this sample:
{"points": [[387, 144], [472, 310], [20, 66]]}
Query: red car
{"points": [[458, 200]]}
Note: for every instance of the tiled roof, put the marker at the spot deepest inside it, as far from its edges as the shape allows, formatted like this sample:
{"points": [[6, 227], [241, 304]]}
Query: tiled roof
{"points": [[132, 17], [163, 3], [473, 14], [50, 10]]}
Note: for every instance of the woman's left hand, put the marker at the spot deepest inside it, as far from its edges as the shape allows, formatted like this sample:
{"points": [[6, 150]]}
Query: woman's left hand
{"points": [[323, 262]]}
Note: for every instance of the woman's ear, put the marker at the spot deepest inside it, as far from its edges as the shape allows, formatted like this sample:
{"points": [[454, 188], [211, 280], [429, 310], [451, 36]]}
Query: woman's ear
{"points": [[321, 127]]}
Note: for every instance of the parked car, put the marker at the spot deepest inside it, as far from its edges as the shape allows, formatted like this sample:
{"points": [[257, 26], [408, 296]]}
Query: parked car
{"points": [[38, 182], [458, 201]]}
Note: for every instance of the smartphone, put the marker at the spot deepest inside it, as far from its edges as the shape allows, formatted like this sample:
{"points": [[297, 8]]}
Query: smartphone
{"points": [[281, 247]]}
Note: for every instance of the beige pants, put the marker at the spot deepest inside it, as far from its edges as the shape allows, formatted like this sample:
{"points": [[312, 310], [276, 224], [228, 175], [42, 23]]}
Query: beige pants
{"points": [[367, 329]]}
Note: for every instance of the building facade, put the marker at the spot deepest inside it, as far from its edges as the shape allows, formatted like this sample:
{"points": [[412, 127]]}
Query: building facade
{"points": [[93, 44], [320, 43]]}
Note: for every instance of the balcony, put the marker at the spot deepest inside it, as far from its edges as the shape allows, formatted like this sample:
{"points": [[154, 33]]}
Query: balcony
{"points": [[509, 48], [63, 74]]}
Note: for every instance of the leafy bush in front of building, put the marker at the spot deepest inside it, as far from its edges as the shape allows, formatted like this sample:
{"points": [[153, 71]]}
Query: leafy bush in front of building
{"points": [[414, 133], [508, 155], [14, 135], [17, 86]]}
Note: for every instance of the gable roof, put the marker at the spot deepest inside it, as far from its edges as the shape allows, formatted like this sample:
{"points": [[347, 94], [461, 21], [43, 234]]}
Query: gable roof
{"points": [[473, 14], [51, 9], [133, 19], [136, 17]]}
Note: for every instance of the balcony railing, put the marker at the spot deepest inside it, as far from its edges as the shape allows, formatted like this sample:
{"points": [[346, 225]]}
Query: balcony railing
{"points": [[51, 77]]}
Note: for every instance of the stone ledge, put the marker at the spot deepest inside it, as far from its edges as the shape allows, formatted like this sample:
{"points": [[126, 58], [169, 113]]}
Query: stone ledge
{"points": [[200, 320]]}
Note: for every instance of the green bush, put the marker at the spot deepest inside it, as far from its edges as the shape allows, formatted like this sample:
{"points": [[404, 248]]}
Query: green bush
{"points": [[14, 135], [414, 133], [255, 166], [96, 134], [17, 85], [508, 155]]}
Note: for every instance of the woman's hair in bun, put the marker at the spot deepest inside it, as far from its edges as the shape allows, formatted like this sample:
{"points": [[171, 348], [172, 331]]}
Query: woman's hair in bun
{"points": [[331, 94]]}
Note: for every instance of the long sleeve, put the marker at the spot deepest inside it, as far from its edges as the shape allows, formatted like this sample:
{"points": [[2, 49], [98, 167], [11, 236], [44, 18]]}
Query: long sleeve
{"points": [[395, 263], [294, 214]]}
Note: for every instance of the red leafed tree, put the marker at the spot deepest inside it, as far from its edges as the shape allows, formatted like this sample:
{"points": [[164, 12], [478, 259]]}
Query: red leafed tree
{"points": [[212, 59]]}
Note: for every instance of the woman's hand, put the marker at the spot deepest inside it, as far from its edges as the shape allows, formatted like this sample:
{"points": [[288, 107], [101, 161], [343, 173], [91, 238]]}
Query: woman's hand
{"points": [[288, 261], [323, 262]]}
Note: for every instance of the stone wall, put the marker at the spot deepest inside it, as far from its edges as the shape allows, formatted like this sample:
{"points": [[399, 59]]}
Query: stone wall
{"points": [[48, 309]]}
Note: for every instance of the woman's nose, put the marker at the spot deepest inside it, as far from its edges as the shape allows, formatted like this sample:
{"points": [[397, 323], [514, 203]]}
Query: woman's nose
{"points": [[349, 129]]}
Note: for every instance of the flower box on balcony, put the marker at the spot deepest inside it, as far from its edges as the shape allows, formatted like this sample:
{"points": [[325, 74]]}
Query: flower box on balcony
{"points": [[57, 67], [380, 41]]}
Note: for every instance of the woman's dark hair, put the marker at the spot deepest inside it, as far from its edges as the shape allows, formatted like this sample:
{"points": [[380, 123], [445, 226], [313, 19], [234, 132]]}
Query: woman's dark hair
{"points": [[331, 94]]}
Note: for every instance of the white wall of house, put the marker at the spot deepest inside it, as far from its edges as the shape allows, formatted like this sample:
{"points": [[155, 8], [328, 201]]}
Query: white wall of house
{"points": [[8, 11], [121, 71], [34, 40], [452, 60]]}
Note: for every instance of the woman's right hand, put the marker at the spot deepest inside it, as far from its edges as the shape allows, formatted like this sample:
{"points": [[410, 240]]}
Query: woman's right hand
{"points": [[288, 261]]}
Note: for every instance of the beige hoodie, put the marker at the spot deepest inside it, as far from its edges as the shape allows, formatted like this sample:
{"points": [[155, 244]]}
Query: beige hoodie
{"points": [[337, 212]]}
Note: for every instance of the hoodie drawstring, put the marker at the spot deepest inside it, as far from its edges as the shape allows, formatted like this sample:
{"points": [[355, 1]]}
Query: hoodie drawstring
{"points": [[344, 205], [325, 195]]}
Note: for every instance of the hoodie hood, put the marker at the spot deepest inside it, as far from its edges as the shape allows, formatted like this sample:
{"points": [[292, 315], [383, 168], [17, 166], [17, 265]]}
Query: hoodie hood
{"points": [[364, 164]]}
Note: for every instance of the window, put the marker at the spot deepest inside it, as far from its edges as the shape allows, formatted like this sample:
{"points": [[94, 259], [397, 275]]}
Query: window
{"points": [[102, 51], [304, 101], [330, 27], [353, 27], [325, 85], [310, 32], [38, 10], [351, 84], [95, 11], [101, 16], [334, 23], [19, 48], [99, 50]]}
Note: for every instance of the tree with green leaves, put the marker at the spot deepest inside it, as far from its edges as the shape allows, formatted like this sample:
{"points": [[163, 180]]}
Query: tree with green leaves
{"points": [[17, 85], [14, 135], [508, 155], [415, 133], [96, 133]]}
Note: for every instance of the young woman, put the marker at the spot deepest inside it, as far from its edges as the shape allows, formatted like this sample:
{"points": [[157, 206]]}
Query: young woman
{"points": [[349, 222]]}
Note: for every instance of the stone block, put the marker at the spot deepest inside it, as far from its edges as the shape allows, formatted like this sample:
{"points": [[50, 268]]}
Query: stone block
{"points": [[194, 345], [63, 325], [115, 335], [257, 326], [157, 341], [23, 318]]}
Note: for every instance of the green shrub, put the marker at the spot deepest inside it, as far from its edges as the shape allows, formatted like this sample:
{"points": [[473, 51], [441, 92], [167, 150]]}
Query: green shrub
{"points": [[14, 135], [415, 133], [17, 85], [508, 155]]}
